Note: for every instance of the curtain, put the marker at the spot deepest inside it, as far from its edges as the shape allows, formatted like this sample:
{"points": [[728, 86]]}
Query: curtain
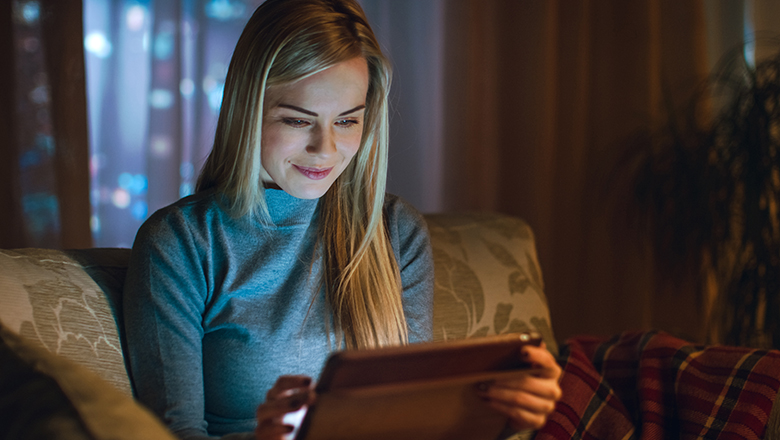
{"points": [[44, 168], [553, 91], [512, 106]]}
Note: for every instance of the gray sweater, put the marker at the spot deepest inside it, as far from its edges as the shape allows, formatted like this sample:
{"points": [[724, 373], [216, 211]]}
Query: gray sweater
{"points": [[216, 307]]}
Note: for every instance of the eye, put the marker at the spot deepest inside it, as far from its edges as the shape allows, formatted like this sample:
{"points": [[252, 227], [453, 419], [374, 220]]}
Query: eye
{"points": [[347, 123], [295, 123]]}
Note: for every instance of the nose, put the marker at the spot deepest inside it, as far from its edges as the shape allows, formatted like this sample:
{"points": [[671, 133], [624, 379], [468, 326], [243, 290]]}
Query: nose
{"points": [[322, 142]]}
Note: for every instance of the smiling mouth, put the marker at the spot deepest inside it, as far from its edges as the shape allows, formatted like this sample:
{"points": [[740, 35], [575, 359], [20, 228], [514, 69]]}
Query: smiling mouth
{"points": [[314, 173]]}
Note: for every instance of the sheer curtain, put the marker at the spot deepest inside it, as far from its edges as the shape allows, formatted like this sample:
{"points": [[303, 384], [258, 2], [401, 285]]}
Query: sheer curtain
{"points": [[156, 71]]}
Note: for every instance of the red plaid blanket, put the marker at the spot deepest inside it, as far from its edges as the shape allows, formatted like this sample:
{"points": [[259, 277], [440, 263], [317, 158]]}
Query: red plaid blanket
{"points": [[653, 385]]}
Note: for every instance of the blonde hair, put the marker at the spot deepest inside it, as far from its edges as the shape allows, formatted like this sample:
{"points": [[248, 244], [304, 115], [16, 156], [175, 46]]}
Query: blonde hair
{"points": [[285, 41]]}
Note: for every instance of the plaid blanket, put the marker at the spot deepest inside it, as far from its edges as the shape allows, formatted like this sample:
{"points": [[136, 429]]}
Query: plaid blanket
{"points": [[651, 386]]}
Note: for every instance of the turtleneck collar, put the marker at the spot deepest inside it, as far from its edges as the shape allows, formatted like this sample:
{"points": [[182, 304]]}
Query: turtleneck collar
{"points": [[287, 210]]}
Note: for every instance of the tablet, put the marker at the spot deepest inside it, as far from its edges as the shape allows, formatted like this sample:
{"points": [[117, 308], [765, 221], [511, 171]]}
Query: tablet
{"points": [[417, 391]]}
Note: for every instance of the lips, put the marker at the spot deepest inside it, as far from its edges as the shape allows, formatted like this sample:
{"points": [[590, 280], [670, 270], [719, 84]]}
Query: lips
{"points": [[314, 173]]}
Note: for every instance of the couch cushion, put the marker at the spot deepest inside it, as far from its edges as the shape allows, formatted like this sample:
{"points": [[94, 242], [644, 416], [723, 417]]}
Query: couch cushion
{"points": [[51, 300], [488, 279], [47, 396], [32, 404]]}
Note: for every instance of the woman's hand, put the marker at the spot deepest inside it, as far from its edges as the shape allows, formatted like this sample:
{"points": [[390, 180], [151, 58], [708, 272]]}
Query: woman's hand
{"points": [[529, 400], [289, 394]]}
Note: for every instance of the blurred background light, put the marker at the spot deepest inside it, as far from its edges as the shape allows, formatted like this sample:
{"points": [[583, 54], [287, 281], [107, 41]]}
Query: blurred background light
{"points": [[224, 10], [31, 44], [125, 180], [120, 198], [186, 170], [161, 99], [94, 224], [39, 95], [31, 11], [185, 189], [215, 97], [187, 87], [135, 17], [160, 146], [139, 210], [97, 44], [164, 42]]}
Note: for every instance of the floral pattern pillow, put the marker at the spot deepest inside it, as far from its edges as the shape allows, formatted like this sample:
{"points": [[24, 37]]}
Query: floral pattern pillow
{"points": [[487, 280], [50, 300], [55, 398]]}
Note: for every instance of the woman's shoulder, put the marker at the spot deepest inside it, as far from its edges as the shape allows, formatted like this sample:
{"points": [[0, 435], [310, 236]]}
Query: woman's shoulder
{"points": [[398, 210], [403, 220], [185, 214]]}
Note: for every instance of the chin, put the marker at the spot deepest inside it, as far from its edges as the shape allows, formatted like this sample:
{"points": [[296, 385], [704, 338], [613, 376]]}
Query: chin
{"points": [[307, 193]]}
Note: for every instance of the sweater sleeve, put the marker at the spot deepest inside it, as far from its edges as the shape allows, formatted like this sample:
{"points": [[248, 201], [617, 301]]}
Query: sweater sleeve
{"points": [[163, 303], [412, 247]]}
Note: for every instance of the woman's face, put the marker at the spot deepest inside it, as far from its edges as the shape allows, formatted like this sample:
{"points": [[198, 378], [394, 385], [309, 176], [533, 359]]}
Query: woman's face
{"points": [[312, 128]]}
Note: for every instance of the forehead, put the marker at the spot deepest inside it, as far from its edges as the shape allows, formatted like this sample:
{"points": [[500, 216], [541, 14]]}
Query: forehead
{"points": [[343, 83]]}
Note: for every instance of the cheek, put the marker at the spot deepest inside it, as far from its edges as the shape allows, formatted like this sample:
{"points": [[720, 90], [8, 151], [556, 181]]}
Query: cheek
{"points": [[274, 145], [351, 145]]}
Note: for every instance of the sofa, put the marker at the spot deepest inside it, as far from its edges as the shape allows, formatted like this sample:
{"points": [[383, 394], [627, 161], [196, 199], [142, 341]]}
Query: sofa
{"points": [[63, 375], [63, 370]]}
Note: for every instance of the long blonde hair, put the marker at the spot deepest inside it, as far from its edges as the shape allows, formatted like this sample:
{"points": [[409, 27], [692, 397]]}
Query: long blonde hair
{"points": [[285, 41]]}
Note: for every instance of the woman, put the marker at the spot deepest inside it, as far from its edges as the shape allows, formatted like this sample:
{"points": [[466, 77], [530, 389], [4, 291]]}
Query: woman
{"points": [[289, 248]]}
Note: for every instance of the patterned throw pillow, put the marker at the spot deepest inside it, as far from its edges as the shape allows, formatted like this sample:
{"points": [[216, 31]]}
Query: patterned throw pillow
{"points": [[49, 299], [488, 279], [47, 396]]}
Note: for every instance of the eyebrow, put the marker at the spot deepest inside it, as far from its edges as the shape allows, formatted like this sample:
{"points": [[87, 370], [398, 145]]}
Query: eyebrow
{"points": [[311, 113]]}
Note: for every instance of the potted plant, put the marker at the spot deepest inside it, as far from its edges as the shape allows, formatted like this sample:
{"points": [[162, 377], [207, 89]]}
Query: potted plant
{"points": [[706, 190]]}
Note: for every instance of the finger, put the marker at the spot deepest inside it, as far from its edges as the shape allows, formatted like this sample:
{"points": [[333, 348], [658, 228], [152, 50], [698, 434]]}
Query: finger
{"points": [[286, 383], [541, 387], [519, 399], [272, 432], [273, 410], [542, 360], [519, 418]]}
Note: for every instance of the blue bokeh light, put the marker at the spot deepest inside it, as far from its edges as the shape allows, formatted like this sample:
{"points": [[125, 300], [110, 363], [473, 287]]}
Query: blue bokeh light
{"points": [[186, 170], [42, 213], [185, 189], [97, 44], [139, 210], [215, 97], [125, 180], [30, 158], [133, 184], [161, 98], [31, 11], [163, 45], [224, 10]]}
